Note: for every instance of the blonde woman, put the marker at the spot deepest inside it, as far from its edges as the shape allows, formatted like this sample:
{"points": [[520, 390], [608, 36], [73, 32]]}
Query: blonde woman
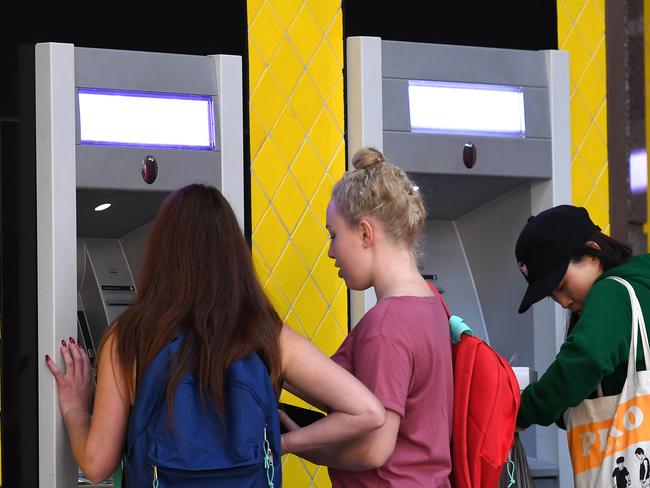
{"points": [[401, 348]]}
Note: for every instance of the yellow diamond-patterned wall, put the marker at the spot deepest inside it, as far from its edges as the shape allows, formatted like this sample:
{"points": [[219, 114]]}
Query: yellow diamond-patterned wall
{"points": [[297, 153], [581, 32]]}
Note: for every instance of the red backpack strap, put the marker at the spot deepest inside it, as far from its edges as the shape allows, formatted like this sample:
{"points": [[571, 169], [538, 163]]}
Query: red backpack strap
{"points": [[461, 452], [437, 293]]}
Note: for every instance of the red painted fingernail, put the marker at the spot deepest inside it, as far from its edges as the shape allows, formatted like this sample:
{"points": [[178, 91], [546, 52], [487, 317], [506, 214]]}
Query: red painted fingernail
{"points": [[71, 340], [47, 357], [63, 342]]}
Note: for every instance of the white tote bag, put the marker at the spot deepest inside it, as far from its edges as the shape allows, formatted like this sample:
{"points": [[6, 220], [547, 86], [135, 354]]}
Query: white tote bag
{"points": [[609, 437]]}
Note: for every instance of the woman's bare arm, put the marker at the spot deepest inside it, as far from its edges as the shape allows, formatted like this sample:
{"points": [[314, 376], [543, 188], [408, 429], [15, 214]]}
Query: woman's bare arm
{"points": [[97, 441], [354, 410], [369, 451]]}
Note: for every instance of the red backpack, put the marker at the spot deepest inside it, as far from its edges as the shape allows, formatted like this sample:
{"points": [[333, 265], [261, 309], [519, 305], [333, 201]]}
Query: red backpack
{"points": [[486, 401]]}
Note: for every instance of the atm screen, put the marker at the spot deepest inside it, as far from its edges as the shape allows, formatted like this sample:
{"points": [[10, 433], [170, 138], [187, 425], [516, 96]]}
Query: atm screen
{"points": [[83, 336], [146, 119]]}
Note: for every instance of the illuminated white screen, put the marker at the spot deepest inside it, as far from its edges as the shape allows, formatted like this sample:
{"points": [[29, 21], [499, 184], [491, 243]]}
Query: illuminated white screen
{"points": [[638, 171], [466, 108], [121, 118]]}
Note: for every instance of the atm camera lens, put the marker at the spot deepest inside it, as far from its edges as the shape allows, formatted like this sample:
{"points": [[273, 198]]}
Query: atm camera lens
{"points": [[149, 169], [469, 155]]}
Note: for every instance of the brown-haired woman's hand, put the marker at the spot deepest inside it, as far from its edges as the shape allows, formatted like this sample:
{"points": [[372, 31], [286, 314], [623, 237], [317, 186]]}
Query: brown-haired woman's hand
{"points": [[290, 425], [74, 385]]}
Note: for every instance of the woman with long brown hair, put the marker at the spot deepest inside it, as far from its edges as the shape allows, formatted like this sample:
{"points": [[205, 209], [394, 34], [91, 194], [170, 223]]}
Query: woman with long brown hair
{"points": [[198, 281]]}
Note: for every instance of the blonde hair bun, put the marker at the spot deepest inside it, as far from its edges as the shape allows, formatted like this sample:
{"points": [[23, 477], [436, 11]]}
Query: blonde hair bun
{"points": [[366, 157], [376, 187]]}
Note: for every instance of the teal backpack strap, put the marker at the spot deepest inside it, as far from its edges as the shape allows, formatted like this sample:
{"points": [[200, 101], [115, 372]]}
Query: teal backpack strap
{"points": [[458, 327]]}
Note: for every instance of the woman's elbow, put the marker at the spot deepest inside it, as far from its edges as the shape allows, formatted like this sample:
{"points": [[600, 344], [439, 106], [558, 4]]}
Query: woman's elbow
{"points": [[375, 416], [375, 458], [96, 473]]}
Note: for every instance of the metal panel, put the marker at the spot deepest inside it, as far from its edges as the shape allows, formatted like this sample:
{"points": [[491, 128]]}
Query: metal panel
{"points": [[118, 168], [504, 156], [56, 249], [396, 108], [135, 70], [489, 235], [67, 171], [444, 257], [449, 197], [463, 64]]}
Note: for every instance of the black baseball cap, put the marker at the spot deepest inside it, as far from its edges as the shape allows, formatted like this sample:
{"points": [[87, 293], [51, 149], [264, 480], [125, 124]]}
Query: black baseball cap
{"points": [[545, 246]]}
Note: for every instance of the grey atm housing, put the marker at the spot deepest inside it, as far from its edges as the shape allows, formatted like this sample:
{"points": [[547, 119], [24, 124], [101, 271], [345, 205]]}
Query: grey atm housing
{"points": [[89, 261], [474, 215]]}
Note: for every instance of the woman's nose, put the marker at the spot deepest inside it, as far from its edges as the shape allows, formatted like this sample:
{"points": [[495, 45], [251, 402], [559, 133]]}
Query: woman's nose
{"points": [[565, 302], [330, 253]]}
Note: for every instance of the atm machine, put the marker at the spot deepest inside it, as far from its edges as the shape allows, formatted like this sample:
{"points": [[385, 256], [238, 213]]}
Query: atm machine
{"points": [[484, 133], [117, 131]]}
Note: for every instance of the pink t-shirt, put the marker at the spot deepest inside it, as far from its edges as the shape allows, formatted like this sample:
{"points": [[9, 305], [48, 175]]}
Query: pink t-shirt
{"points": [[401, 350]]}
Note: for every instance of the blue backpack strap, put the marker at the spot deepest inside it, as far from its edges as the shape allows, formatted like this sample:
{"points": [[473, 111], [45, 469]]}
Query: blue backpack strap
{"points": [[154, 381], [458, 327]]}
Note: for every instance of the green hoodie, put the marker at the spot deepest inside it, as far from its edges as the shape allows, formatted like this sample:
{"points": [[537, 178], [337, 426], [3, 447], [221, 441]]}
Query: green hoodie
{"points": [[595, 350]]}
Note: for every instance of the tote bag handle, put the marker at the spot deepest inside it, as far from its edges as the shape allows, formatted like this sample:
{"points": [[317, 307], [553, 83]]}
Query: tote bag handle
{"points": [[638, 325]]}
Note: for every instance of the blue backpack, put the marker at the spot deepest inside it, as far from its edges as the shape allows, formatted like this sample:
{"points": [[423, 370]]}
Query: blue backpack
{"points": [[201, 450]]}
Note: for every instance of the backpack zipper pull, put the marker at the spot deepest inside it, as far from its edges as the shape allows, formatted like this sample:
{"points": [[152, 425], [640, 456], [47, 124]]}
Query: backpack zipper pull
{"points": [[268, 461], [155, 477]]}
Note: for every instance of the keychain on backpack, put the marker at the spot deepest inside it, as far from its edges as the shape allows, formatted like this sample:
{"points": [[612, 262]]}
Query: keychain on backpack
{"points": [[268, 461]]}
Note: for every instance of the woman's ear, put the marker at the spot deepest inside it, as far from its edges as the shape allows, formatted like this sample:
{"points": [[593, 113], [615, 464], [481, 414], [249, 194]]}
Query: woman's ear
{"points": [[592, 244], [367, 233]]}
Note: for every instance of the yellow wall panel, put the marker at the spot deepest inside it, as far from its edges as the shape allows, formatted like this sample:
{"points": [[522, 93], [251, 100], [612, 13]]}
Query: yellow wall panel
{"points": [[307, 231], [601, 121], [297, 150], [290, 203], [287, 67], [265, 32], [291, 271], [581, 32], [306, 101], [329, 335], [321, 197], [270, 167], [270, 248], [305, 33], [321, 67], [266, 100], [325, 274], [286, 11], [581, 120], [252, 8], [590, 24], [288, 134], [593, 85], [593, 152], [308, 169], [334, 36], [580, 172], [259, 203]]}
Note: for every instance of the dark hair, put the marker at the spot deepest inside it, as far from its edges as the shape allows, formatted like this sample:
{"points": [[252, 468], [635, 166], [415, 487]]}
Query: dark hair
{"points": [[639, 451], [611, 254], [620, 459], [197, 278]]}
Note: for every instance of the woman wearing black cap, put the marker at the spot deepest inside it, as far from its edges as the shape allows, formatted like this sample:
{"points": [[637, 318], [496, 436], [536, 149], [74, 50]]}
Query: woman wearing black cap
{"points": [[564, 255]]}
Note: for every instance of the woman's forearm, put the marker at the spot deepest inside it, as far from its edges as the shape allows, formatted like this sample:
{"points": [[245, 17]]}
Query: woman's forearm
{"points": [[335, 428], [359, 453], [77, 422]]}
